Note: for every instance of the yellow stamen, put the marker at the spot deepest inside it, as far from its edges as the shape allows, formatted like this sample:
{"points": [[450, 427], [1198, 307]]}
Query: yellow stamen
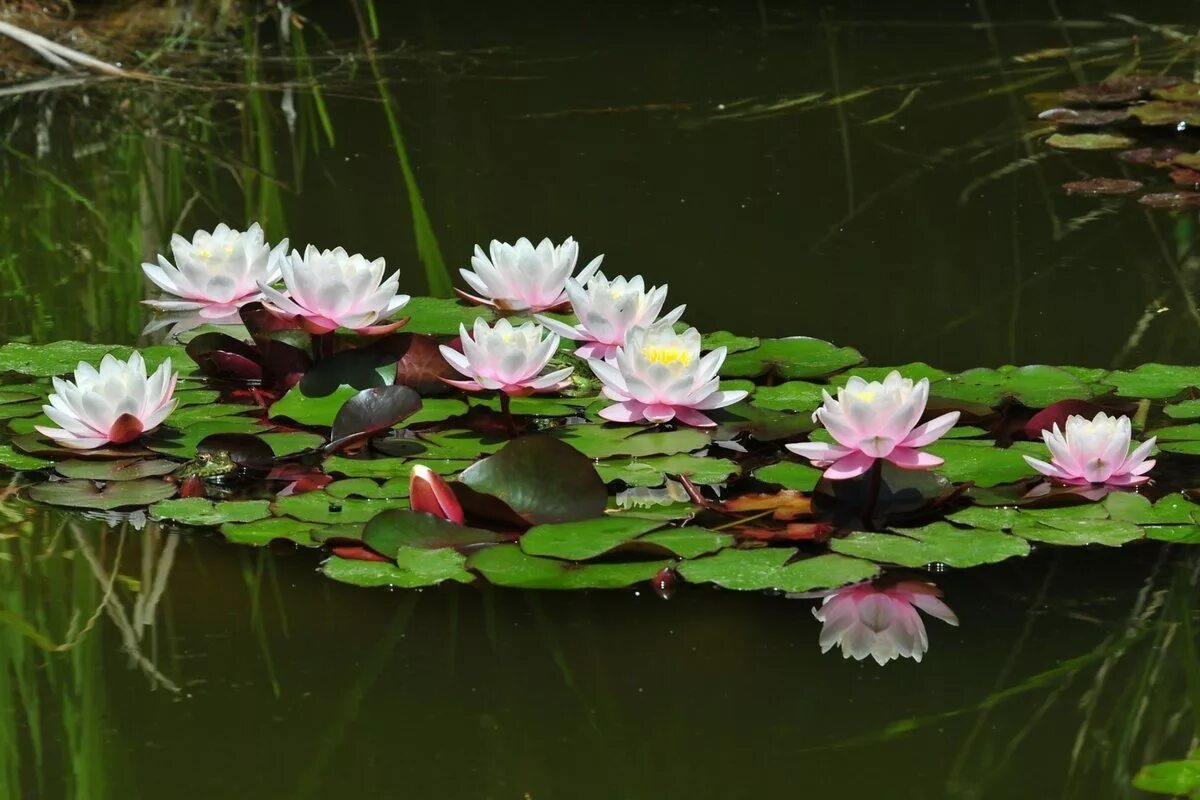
{"points": [[667, 354], [865, 396]]}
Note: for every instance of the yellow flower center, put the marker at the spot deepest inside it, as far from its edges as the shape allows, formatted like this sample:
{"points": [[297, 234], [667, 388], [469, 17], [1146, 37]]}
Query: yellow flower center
{"points": [[204, 252], [666, 354], [865, 396]]}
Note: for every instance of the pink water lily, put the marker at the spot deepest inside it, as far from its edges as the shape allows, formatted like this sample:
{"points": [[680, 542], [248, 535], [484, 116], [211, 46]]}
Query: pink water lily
{"points": [[521, 277], [111, 405], [874, 420], [1095, 451], [658, 375], [331, 289], [506, 358], [608, 310], [882, 623], [215, 273]]}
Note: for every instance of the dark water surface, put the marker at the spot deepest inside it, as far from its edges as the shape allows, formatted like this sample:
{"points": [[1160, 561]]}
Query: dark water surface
{"points": [[675, 138]]}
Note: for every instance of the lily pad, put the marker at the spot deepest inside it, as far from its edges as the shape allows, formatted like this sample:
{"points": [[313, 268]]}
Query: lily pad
{"points": [[1102, 186], [1154, 381], [542, 479], [688, 542], [415, 569], [127, 469], [1181, 199], [368, 489], [117, 494], [1176, 778], [388, 468], [584, 539], [730, 341], [653, 471], [983, 464], [321, 507], [603, 441], [1079, 532], [182, 443], [790, 396], [769, 568], [61, 358], [508, 565], [391, 530], [790, 475], [1036, 386], [19, 462], [1089, 141], [938, 542], [371, 411], [262, 532], [442, 316], [201, 512], [799, 357]]}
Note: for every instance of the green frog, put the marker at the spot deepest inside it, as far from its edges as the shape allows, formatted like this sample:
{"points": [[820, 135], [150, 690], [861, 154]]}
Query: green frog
{"points": [[581, 383], [208, 466]]}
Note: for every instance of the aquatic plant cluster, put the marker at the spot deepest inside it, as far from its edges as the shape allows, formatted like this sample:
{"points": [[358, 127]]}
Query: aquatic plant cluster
{"points": [[468, 441]]}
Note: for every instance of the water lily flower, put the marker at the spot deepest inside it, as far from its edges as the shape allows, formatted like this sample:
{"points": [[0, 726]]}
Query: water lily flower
{"points": [[506, 358], [521, 277], [1095, 451], [331, 289], [429, 492], [215, 273], [658, 375], [114, 404], [608, 310], [880, 622], [873, 420]]}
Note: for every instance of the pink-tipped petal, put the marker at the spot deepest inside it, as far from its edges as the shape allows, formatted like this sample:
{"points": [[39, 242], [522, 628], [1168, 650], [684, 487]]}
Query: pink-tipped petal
{"points": [[911, 458], [658, 412], [690, 416], [931, 431], [628, 411], [819, 453], [850, 466]]}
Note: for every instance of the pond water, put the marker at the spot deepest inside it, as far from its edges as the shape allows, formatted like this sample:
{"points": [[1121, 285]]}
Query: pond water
{"points": [[863, 174]]}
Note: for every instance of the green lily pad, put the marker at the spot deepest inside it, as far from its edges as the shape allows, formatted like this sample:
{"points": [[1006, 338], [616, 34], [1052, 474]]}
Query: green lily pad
{"points": [[768, 568], [414, 569], [192, 415], [1164, 112], [9, 396], [20, 410], [391, 530], [688, 542], [1178, 534], [1036, 386], [534, 405], [914, 371], [321, 411], [126, 469], [321, 507], [938, 542], [442, 316], [10, 459], [182, 443], [202, 512], [389, 468], [1154, 381], [116, 494], [1176, 778], [602, 441], [800, 357], [286, 443], [61, 358], [262, 532], [508, 565], [653, 471], [984, 464], [584, 539], [368, 489], [451, 444], [790, 475], [730, 341], [1089, 141], [790, 396], [1186, 409], [1081, 531]]}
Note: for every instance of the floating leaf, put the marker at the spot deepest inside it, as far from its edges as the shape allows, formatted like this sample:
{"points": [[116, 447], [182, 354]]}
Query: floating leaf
{"points": [[442, 316], [1176, 778], [60, 358], [790, 475], [688, 542], [368, 489], [204, 513], [653, 471], [262, 532], [19, 462], [388, 468], [1171, 200], [1089, 141], [790, 396], [1165, 112], [1036, 386], [603, 441], [1085, 118], [730, 341], [1102, 186], [542, 479], [1178, 91], [983, 464], [1079, 532], [414, 569], [373, 410], [798, 357], [422, 367], [390, 530], [914, 371], [584, 539], [1156, 156], [938, 542], [1154, 381], [320, 507], [117, 494], [287, 443], [127, 469], [508, 565], [768, 568], [182, 443]]}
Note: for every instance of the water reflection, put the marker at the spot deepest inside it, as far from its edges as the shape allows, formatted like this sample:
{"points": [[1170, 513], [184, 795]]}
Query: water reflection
{"points": [[880, 619]]}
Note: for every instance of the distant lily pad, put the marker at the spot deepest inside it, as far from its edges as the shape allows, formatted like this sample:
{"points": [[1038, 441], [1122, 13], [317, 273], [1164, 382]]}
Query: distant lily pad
{"points": [[1154, 381], [201, 512], [1036, 386], [262, 532], [1102, 186], [603, 441], [768, 568], [1085, 117], [688, 542], [1089, 141], [321, 507], [508, 565], [389, 468], [126, 469], [938, 542], [1180, 199], [730, 341], [442, 316], [653, 471], [799, 357], [584, 539], [109, 496], [1079, 532], [368, 489], [414, 569], [61, 358]]}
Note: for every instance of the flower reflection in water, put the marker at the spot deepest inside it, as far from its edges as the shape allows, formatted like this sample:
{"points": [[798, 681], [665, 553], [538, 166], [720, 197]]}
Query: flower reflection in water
{"points": [[880, 619]]}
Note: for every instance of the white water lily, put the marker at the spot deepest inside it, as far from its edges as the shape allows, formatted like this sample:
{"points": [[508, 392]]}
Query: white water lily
{"points": [[331, 289], [506, 358], [658, 375], [114, 404], [1095, 451], [215, 273], [521, 277], [608, 310]]}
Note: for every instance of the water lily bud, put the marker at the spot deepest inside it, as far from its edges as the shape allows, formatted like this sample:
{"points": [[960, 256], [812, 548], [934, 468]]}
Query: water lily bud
{"points": [[429, 492]]}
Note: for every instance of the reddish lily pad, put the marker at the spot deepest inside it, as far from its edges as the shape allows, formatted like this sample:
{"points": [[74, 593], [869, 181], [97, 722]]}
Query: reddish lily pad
{"points": [[1171, 200], [542, 479], [390, 530], [372, 411]]}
